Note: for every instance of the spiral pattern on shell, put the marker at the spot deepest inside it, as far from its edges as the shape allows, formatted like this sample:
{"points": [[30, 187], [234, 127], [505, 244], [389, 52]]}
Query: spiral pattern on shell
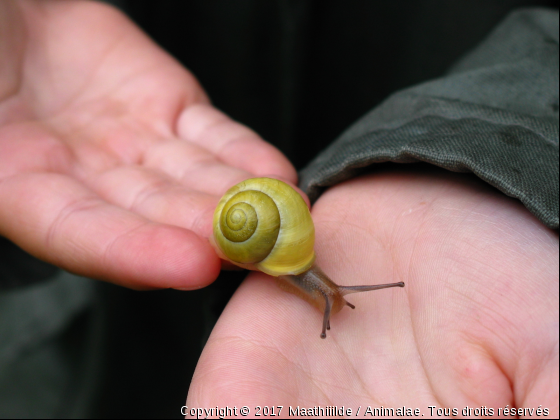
{"points": [[250, 217], [264, 224]]}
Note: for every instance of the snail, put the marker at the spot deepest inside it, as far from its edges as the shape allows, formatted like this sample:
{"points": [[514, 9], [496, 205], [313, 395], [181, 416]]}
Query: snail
{"points": [[263, 224]]}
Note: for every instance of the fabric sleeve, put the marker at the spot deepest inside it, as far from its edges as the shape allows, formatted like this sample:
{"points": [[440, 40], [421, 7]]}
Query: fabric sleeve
{"points": [[494, 114]]}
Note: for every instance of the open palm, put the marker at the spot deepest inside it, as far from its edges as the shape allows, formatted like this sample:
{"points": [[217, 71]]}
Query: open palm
{"points": [[476, 325], [111, 157]]}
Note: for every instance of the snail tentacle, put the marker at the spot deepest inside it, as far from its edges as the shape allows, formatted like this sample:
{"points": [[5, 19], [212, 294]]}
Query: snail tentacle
{"points": [[326, 316]]}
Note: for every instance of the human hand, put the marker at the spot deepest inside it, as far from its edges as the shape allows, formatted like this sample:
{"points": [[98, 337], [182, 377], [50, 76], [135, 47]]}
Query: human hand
{"points": [[476, 324], [112, 158]]}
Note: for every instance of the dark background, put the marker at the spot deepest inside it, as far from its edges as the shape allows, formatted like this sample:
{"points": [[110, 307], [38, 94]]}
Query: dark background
{"points": [[298, 73]]}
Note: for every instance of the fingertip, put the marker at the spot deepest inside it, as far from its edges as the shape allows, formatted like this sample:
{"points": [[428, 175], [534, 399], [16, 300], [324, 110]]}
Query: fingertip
{"points": [[271, 162], [162, 256], [198, 263], [263, 159], [232, 142]]}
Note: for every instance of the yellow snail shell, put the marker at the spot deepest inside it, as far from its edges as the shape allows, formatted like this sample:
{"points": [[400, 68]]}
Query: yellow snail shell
{"points": [[264, 224]]}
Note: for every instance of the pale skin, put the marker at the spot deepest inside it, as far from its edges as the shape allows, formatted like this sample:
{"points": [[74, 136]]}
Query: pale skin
{"points": [[476, 324], [112, 160]]}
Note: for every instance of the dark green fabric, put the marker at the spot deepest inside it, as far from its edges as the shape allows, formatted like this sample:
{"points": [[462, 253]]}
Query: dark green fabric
{"points": [[495, 114]]}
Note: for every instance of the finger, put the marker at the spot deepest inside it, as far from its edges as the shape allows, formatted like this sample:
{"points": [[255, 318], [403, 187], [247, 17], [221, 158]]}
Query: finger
{"points": [[157, 197], [195, 167], [160, 199], [232, 143], [198, 169], [58, 220]]}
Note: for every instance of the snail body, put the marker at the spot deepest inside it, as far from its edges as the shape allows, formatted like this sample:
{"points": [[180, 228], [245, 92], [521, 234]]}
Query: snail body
{"points": [[263, 224]]}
